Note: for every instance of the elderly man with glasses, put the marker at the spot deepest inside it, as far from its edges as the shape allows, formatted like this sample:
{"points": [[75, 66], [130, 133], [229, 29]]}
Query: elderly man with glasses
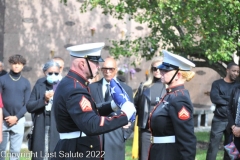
{"points": [[113, 142]]}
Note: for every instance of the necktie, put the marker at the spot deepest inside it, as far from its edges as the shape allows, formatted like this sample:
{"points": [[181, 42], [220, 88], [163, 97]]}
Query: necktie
{"points": [[107, 94]]}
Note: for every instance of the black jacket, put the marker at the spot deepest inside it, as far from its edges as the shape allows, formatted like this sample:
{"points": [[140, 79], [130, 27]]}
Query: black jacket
{"points": [[36, 106], [232, 107], [142, 101], [220, 96]]}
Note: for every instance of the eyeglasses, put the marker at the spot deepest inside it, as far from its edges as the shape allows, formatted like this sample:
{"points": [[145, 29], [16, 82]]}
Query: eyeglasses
{"points": [[50, 73], [155, 69], [106, 69]]}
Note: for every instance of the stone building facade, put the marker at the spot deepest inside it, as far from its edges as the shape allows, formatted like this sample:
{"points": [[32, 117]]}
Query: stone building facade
{"points": [[41, 29]]}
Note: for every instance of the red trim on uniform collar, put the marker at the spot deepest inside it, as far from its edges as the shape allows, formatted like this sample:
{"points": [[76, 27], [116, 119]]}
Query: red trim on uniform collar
{"points": [[174, 88], [79, 78], [78, 74]]}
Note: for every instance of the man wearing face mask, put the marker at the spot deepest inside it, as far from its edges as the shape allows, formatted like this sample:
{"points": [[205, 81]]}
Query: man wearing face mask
{"points": [[45, 135], [15, 90]]}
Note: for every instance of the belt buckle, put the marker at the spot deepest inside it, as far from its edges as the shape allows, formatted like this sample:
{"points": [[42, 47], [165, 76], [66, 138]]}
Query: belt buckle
{"points": [[151, 139]]}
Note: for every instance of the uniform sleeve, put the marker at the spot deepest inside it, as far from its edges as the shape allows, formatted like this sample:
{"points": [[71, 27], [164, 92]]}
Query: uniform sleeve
{"points": [[215, 96], [81, 109], [181, 113]]}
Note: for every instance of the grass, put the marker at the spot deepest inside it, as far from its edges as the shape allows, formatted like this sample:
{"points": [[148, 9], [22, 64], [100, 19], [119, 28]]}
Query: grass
{"points": [[202, 137]]}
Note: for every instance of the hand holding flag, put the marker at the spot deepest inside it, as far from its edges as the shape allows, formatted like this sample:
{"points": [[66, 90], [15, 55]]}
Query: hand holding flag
{"points": [[122, 100]]}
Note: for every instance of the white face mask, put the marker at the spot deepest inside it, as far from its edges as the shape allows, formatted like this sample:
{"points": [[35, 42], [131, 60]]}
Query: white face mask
{"points": [[53, 78]]}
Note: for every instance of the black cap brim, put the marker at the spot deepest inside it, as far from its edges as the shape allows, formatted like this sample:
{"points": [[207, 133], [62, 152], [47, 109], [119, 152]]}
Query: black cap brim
{"points": [[95, 58], [167, 67]]}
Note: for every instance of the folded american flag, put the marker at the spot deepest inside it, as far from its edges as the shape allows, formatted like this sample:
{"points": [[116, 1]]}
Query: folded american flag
{"points": [[120, 96]]}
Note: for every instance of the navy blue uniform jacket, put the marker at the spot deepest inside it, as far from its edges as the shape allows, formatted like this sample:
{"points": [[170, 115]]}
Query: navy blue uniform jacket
{"points": [[173, 116], [75, 110]]}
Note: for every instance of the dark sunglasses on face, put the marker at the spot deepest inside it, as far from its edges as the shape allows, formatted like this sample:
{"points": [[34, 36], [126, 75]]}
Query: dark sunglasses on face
{"points": [[50, 73], [164, 71], [110, 69], [155, 69]]}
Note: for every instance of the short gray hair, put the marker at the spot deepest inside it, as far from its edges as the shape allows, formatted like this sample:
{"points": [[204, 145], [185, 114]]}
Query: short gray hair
{"points": [[49, 64]]}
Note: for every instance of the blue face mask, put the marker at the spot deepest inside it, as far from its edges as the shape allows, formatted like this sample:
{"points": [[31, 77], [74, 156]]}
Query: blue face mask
{"points": [[52, 78]]}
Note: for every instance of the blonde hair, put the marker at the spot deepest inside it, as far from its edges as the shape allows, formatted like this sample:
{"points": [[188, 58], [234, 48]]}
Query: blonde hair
{"points": [[188, 75], [151, 77]]}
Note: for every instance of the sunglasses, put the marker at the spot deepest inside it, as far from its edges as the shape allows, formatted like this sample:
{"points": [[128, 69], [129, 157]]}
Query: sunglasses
{"points": [[50, 73], [155, 69], [106, 69]]}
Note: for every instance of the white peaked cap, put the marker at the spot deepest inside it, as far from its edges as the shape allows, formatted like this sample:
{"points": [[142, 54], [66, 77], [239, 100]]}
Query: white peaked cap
{"points": [[92, 51], [172, 61]]}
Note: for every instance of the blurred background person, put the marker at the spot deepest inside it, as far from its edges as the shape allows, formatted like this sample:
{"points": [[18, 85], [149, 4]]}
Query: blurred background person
{"points": [[15, 90], [220, 96], [147, 96], [45, 135], [1, 117], [2, 71], [60, 61], [234, 116]]}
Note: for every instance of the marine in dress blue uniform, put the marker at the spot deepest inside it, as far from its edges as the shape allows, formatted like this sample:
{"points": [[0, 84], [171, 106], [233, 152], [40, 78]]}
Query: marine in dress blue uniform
{"points": [[78, 121], [171, 121]]}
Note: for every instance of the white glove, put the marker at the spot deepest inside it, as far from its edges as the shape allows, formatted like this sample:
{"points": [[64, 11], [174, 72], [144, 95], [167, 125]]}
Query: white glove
{"points": [[114, 106], [129, 109]]}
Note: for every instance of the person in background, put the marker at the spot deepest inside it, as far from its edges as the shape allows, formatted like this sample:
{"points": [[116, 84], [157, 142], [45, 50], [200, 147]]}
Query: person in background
{"points": [[234, 116], [171, 122], [220, 96], [1, 118], [45, 135], [15, 90], [147, 96], [2, 71], [78, 121], [60, 61], [114, 141]]}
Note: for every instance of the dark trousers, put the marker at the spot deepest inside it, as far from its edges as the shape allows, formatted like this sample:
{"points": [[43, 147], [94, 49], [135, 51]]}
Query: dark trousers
{"points": [[144, 143], [218, 129], [237, 143]]}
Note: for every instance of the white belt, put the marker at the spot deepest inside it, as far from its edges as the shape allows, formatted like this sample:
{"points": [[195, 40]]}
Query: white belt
{"points": [[71, 135], [165, 139]]}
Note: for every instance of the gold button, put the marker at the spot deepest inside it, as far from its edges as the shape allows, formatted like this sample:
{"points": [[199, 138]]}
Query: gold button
{"points": [[121, 112], [91, 146]]}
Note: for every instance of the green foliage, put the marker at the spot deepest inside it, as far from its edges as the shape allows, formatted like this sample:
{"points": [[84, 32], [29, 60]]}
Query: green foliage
{"points": [[207, 29]]}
